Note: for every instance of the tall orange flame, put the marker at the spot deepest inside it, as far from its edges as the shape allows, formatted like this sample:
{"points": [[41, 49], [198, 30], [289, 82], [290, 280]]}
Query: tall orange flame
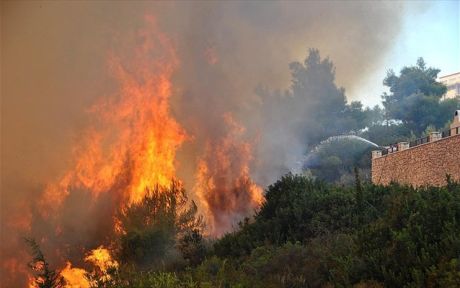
{"points": [[131, 145], [74, 277], [133, 139], [224, 187], [102, 261], [101, 258]]}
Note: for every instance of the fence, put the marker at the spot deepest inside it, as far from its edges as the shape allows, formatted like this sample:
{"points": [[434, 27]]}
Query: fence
{"points": [[446, 133], [419, 141]]}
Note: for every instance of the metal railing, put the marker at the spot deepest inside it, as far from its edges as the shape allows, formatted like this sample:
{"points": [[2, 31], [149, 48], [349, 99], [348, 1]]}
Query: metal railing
{"points": [[450, 132], [419, 141], [394, 147], [391, 148]]}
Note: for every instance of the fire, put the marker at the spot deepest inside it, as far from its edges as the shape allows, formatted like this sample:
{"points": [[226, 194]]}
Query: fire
{"points": [[130, 146], [224, 186], [102, 259], [133, 139], [74, 277], [31, 282]]}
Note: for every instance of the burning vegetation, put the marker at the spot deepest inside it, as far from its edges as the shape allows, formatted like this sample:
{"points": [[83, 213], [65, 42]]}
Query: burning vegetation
{"points": [[224, 185], [123, 178], [163, 187]]}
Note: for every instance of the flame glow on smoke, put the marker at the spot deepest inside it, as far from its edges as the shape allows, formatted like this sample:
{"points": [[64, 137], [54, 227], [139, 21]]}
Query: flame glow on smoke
{"points": [[131, 145], [135, 136], [224, 185], [161, 116]]}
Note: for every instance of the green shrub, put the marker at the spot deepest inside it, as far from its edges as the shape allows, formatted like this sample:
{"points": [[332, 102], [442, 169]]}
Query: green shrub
{"points": [[154, 226]]}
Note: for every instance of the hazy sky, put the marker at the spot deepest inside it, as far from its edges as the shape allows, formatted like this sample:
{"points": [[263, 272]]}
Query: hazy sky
{"points": [[428, 31]]}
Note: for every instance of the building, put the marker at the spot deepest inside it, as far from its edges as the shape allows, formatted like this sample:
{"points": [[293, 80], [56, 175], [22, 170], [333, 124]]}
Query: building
{"points": [[452, 81], [425, 161]]}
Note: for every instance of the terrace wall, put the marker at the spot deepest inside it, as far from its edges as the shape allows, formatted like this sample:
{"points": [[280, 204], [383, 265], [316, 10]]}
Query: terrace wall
{"points": [[420, 165]]}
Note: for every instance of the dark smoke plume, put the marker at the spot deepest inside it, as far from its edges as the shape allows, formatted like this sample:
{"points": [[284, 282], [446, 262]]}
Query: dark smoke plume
{"points": [[54, 66]]}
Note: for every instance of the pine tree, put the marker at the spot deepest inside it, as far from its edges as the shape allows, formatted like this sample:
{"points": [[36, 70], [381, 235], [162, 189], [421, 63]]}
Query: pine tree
{"points": [[44, 276]]}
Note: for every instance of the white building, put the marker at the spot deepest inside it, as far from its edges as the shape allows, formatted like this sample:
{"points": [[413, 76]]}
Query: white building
{"points": [[452, 82]]}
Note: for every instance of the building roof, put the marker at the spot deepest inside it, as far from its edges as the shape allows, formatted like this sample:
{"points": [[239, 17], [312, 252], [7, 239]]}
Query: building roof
{"points": [[445, 76]]}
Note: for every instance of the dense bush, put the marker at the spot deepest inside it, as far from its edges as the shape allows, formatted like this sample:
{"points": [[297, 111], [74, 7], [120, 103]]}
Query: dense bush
{"points": [[296, 209], [419, 231], [160, 228], [306, 234], [395, 235]]}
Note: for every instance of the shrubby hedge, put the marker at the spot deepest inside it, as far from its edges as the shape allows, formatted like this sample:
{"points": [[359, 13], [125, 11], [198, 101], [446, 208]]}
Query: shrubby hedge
{"points": [[312, 234]]}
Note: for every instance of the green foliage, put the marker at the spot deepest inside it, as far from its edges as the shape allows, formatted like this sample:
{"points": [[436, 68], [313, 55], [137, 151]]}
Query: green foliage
{"points": [[157, 280], [155, 225], [413, 104], [149, 279], [415, 98], [318, 109], [307, 234], [323, 105], [419, 230], [445, 274], [192, 247], [215, 272], [359, 191], [370, 236], [413, 80], [296, 209], [388, 134], [333, 160], [314, 107], [44, 276]]}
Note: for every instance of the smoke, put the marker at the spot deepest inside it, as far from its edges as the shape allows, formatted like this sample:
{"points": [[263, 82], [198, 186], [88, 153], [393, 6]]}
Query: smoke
{"points": [[54, 66], [249, 45], [223, 181]]}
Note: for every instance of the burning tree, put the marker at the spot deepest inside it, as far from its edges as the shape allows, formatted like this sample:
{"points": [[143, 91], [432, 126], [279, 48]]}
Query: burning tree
{"points": [[152, 227], [45, 277], [119, 182]]}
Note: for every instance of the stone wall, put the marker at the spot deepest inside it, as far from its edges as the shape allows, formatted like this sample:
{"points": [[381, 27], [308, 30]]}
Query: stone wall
{"points": [[424, 164]]}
